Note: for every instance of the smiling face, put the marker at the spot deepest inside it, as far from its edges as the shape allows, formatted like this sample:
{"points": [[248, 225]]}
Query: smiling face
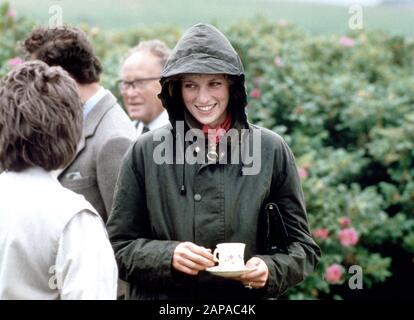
{"points": [[206, 97], [142, 102]]}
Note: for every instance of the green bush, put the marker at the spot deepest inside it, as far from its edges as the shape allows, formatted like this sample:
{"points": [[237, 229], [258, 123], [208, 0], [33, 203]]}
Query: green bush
{"points": [[345, 104], [12, 30]]}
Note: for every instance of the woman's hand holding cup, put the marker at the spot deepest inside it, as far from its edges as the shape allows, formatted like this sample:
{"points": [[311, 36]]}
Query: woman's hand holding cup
{"points": [[231, 257], [190, 258], [257, 278]]}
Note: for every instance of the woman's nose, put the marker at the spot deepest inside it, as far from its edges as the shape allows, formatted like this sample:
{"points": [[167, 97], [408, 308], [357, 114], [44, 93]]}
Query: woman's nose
{"points": [[203, 96]]}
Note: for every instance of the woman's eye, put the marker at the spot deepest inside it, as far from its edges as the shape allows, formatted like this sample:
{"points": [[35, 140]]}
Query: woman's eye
{"points": [[215, 84], [189, 85]]}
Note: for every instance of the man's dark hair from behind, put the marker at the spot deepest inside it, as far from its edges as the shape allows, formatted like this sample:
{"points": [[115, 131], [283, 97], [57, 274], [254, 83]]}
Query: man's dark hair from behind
{"points": [[67, 47]]}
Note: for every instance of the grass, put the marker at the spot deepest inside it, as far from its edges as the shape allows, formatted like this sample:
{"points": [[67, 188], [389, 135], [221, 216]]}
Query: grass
{"points": [[126, 14]]}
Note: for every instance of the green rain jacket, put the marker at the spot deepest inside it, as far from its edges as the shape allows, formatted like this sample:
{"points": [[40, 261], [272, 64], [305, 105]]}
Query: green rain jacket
{"points": [[157, 206]]}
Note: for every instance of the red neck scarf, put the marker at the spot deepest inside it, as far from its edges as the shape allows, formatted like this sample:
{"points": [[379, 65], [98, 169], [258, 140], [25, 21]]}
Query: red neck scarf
{"points": [[220, 130]]}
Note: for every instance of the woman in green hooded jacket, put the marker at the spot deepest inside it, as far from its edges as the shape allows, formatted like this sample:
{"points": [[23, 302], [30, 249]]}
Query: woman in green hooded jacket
{"points": [[204, 180]]}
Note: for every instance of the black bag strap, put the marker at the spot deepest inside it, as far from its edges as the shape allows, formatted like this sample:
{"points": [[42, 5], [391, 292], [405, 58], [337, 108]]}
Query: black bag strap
{"points": [[276, 233]]}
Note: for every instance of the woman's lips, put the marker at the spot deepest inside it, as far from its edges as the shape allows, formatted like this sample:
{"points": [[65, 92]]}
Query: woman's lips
{"points": [[207, 108]]}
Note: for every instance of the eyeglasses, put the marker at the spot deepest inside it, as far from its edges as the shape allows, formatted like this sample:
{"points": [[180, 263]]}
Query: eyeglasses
{"points": [[135, 84]]}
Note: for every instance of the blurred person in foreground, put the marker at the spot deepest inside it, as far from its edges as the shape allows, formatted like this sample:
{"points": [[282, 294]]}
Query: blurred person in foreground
{"points": [[139, 85], [53, 243], [107, 130]]}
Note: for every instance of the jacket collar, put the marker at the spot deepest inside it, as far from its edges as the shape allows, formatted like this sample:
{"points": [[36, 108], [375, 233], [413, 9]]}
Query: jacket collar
{"points": [[92, 121], [95, 116]]}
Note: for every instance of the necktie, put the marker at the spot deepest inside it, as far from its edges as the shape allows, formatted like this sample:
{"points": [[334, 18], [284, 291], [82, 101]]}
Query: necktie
{"points": [[145, 129]]}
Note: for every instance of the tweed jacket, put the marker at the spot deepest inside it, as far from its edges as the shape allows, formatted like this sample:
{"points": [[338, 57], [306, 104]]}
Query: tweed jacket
{"points": [[107, 134]]}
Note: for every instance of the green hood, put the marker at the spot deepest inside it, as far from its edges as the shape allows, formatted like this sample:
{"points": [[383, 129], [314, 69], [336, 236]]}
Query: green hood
{"points": [[203, 49]]}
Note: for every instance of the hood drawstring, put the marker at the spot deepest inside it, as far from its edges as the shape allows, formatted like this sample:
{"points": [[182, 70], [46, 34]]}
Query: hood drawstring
{"points": [[183, 190], [240, 156]]}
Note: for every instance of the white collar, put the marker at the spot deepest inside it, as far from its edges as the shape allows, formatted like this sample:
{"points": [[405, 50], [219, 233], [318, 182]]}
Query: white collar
{"points": [[158, 122], [92, 101]]}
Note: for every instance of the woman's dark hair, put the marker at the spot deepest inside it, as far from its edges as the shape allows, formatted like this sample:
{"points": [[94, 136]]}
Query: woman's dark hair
{"points": [[40, 118], [66, 47]]}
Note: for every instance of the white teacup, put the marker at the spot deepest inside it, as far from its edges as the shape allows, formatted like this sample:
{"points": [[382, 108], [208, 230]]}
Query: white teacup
{"points": [[230, 255]]}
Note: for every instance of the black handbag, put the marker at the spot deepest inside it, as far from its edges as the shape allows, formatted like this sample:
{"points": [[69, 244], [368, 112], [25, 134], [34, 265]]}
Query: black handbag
{"points": [[276, 239]]}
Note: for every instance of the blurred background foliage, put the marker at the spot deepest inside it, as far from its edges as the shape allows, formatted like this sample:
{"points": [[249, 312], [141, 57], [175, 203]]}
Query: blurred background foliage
{"points": [[345, 104]]}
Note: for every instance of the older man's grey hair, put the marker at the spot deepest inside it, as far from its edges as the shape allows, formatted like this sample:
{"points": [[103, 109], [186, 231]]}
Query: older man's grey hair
{"points": [[156, 47]]}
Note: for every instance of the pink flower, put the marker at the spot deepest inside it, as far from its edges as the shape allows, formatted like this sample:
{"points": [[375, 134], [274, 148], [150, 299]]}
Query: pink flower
{"points": [[321, 233], [303, 173], [347, 42], [333, 273], [11, 13], [255, 94], [278, 61], [348, 237], [283, 23], [344, 222], [15, 62]]}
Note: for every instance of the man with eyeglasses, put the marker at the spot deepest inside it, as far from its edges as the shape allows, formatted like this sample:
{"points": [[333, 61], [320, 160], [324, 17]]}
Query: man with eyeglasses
{"points": [[139, 85]]}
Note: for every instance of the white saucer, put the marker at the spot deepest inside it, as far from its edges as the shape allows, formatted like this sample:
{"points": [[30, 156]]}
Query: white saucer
{"points": [[228, 273]]}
